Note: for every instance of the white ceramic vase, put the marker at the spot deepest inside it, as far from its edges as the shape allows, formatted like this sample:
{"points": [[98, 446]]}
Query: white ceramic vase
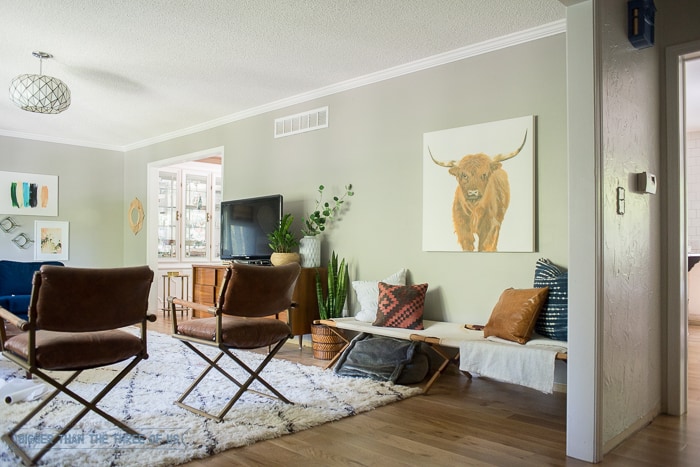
{"points": [[310, 251]]}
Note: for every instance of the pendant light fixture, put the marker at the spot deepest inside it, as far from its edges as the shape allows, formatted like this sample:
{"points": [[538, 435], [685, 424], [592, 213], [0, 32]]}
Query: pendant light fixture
{"points": [[40, 93]]}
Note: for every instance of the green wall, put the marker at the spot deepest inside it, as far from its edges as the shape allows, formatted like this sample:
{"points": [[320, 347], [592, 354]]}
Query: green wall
{"points": [[91, 199], [374, 141]]}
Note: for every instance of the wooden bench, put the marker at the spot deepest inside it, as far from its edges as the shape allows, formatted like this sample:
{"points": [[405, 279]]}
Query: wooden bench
{"points": [[438, 335]]}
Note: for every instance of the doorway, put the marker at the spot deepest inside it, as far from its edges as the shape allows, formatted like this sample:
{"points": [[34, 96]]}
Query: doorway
{"points": [[154, 251], [677, 236], [691, 130]]}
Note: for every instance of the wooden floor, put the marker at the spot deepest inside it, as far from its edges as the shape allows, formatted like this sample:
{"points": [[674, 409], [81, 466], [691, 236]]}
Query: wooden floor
{"points": [[467, 422]]}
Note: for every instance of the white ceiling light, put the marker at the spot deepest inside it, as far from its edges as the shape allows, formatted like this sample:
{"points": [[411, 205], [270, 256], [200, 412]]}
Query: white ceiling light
{"points": [[40, 93]]}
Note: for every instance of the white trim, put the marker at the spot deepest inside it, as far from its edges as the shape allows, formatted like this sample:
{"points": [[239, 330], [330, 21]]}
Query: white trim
{"points": [[57, 140], [676, 379], [584, 400], [510, 40], [151, 224]]}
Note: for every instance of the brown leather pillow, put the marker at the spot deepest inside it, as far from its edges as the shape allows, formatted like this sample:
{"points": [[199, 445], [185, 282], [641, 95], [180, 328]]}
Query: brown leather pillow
{"points": [[514, 316]]}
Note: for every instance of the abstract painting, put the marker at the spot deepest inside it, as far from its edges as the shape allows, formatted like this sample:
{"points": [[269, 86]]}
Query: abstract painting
{"points": [[479, 187], [28, 194]]}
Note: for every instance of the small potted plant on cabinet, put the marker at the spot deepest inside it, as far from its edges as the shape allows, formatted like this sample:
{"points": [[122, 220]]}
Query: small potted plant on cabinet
{"points": [[282, 241], [326, 343]]}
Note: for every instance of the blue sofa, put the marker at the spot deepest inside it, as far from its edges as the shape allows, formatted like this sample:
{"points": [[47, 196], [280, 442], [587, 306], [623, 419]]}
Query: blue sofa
{"points": [[16, 284]]}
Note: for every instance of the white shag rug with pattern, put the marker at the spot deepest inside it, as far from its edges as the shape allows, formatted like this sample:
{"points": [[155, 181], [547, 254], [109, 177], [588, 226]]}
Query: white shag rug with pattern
{"points": [[144, 400]]}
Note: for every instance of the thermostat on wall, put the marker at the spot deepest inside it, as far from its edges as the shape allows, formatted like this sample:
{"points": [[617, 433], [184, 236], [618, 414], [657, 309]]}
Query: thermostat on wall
{"points": [[646, 182]]}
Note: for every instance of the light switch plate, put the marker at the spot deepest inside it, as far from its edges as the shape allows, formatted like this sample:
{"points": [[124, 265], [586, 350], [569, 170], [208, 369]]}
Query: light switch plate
{"points": [[620, 200]]}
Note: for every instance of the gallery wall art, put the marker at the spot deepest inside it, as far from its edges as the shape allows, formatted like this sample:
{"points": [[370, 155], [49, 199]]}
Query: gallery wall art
{"points": [[51, 241], [28, 194], [479, 187]]}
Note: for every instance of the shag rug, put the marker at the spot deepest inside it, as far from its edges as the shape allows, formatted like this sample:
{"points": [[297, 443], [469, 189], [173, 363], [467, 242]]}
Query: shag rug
{"points": [[144, 400]]}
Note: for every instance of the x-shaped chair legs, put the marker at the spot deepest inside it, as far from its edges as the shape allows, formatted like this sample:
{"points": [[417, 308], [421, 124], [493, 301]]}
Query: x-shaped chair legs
{"points": [[90, 405], [243, 387]]}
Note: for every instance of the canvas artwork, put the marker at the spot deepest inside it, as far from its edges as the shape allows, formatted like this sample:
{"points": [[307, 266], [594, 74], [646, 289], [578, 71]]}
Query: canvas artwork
{"points": [[479, 187], [28, 194], [51, 241]]}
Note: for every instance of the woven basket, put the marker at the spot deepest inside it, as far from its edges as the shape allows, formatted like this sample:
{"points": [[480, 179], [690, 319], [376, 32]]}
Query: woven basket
{"points": [[325, 343]]}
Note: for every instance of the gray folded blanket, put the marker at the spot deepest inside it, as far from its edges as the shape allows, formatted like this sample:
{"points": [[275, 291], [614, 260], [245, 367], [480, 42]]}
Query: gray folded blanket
{"points": [[382, 358]]}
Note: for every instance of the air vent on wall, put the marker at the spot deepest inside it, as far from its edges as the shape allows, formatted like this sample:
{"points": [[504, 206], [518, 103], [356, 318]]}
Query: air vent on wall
{"points": [[302, 122]]}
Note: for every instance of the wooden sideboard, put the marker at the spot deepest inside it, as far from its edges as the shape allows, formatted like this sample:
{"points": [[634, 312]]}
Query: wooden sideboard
{"points": [[305, 297], [207, 280], [206, 283]]}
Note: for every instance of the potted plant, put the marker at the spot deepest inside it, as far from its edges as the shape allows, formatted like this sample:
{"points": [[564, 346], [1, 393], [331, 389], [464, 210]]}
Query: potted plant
{"points": [[316, 222], [326, 343], [282, 241]]}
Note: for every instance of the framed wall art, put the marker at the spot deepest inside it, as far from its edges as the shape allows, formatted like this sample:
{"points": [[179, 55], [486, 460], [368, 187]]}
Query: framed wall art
{"points": [[28, 194], [479, 187], [51, 241]]}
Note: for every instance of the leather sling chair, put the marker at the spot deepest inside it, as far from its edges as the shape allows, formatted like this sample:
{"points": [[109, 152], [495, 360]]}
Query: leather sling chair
{"points": [[249, 296], [74, 316]]}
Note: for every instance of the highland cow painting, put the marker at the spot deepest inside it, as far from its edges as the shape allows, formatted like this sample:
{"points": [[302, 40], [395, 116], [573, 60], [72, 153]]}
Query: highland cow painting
{"points": [[479, 187]]}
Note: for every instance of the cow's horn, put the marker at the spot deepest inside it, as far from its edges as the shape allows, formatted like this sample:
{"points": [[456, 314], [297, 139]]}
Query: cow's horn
{"points": [[441, 164], [505, 157]]}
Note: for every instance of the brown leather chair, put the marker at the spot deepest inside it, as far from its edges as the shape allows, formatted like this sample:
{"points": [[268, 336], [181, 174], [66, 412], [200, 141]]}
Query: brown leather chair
{"points": [[74, 316], [249, 296]]}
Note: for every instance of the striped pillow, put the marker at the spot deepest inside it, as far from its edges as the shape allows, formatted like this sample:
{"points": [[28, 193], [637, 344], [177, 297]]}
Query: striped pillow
{"points": [[553, 319]]}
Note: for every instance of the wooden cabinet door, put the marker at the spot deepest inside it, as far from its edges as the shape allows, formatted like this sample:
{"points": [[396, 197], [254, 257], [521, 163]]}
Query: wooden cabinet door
{"points": [[206, 284], [305, 296]]}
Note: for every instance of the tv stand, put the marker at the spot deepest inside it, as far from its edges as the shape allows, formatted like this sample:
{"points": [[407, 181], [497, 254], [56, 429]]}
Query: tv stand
{"points": [[257, 262]]}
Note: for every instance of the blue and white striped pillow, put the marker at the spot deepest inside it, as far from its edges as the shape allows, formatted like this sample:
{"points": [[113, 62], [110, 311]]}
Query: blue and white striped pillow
{"points": [[553, 319]]}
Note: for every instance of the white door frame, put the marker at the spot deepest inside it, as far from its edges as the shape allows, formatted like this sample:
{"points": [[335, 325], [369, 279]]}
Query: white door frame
{"points": [[676, 241], [152, 204]]}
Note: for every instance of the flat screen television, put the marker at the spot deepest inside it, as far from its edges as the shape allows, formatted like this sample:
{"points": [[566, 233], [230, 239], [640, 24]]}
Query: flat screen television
{"points": [[245, 224]]}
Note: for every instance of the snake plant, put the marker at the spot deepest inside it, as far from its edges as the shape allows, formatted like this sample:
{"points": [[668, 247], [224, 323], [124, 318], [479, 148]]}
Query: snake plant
{"points": [[331, 306]]}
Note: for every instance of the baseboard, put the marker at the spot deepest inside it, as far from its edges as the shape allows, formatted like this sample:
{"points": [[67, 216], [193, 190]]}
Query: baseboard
{"points": [[560, 387], [635, 427]]}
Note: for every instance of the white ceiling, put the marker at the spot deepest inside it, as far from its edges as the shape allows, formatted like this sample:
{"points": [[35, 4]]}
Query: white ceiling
{"points": [[140, 70]]}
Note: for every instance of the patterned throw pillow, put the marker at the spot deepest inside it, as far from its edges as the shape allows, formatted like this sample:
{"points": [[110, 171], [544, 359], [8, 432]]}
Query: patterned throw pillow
{"points": [[554, 317], [401, 306]]}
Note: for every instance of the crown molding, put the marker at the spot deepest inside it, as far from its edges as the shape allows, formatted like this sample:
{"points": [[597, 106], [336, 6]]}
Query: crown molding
{"points": [[510, 40], [56, 140]]}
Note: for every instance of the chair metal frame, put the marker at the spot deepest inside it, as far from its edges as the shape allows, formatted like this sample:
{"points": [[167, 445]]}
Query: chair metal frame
{"points": [[224, 349], [30, 366]]}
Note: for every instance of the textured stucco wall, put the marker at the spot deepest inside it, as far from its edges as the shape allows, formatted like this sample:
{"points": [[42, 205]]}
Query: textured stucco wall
{"points": [[630, 138]]}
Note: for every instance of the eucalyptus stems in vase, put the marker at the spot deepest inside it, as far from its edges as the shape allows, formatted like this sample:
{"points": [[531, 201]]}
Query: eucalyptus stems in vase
{"points": [[324, 212], [316, 222]]}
